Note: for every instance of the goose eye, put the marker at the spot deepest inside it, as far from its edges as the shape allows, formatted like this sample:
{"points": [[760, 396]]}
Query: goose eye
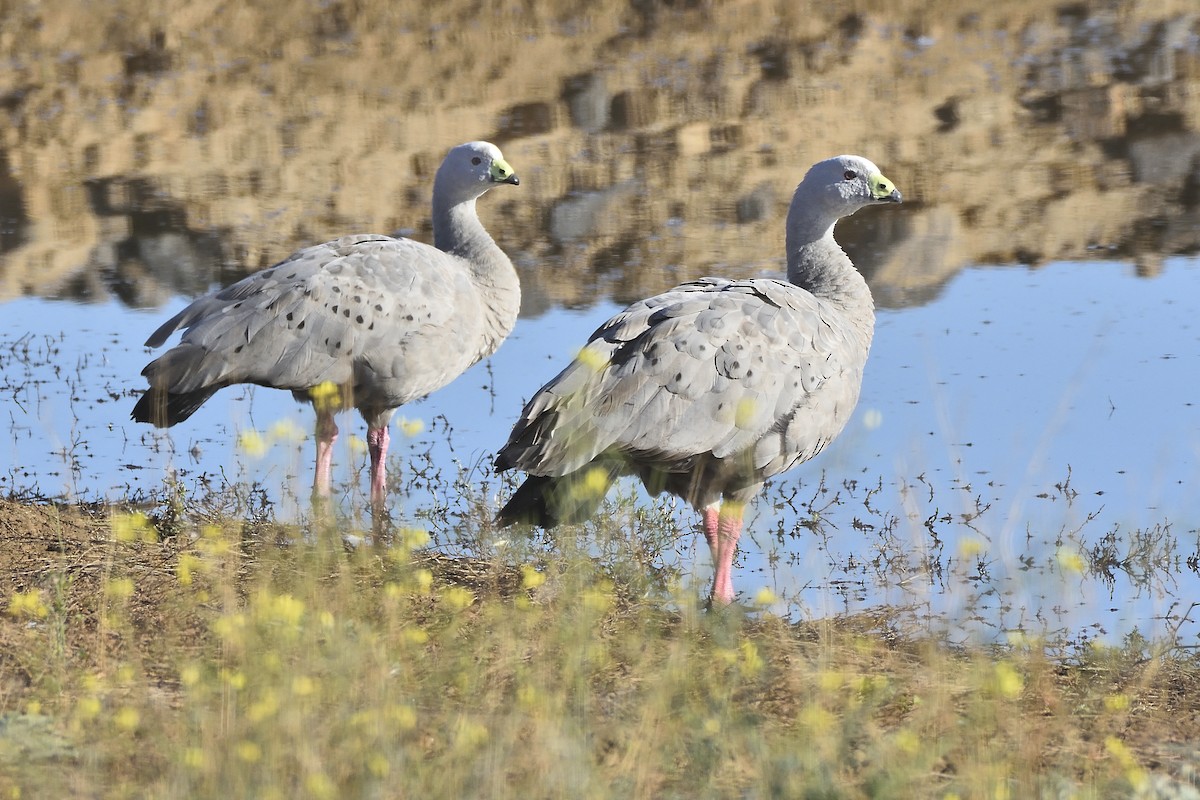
{"points": [[477, 161], [850, 175]]}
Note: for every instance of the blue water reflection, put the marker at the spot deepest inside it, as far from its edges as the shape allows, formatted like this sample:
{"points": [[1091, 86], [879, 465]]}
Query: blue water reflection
{"points": [[1015, 421]]}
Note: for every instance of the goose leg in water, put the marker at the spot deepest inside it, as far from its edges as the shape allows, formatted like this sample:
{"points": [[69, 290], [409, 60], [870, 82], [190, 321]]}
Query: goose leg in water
{"points": [[722, 528], [712, 515], [377, 444], [327, 432]]}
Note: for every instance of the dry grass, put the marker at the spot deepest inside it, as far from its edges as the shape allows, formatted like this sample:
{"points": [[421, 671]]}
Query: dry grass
{"points": [[249, 661]]}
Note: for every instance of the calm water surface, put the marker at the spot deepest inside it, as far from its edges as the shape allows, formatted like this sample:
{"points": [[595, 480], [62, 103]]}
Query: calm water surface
{"points": [[1006, 427]]}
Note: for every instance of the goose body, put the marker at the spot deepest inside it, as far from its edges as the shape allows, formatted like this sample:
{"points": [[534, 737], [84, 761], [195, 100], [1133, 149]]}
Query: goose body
{"points": [[712, 387], [365, 321]]}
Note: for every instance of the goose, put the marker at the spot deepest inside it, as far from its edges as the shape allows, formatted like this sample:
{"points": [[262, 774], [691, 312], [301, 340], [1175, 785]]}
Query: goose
{"points": [[709, 389], [364, 321]]}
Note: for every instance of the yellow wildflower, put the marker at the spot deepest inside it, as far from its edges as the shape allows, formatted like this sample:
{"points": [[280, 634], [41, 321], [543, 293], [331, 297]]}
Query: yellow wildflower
{"points": [[1133, 771], [470, 733], [126, 718], [969, 547], [410, 427], [592, 359], [424, 579], [189, 675], [319, 785], [1007, 681], [830, 680], [1071, 561], [816, 719], [249, 751], [378, 765], [596, 481], [744, 414], [1117, 702], [133, 527], [405, 717], [252, 443], [908, 742], [119, 588], [285, 431], [530, 577], [458, 598], [27, 604], [415, 635], [599, 597], [326, 396], [752, 662], [265, 707], [87, 708], [184, 566]]}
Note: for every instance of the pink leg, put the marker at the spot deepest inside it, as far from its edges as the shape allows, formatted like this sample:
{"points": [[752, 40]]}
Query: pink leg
{"points": [[722, 528], [327, 433], [712, 514], [377, 444]]}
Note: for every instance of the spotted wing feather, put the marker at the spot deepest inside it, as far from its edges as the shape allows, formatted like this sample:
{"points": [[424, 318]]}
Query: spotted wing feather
{"points": [[351, 311], [714, 369]]}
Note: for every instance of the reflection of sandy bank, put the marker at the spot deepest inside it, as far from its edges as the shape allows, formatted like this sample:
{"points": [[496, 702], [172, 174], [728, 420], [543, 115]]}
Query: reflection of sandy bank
{"points": [[654, 145]]}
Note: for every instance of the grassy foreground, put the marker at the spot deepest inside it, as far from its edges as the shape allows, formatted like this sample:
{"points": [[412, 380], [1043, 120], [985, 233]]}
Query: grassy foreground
{"points": [[250, 661]]}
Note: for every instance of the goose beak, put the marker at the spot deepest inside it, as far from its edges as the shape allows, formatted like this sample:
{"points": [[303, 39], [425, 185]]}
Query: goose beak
{"points": [[884, 190], [501, 172]]}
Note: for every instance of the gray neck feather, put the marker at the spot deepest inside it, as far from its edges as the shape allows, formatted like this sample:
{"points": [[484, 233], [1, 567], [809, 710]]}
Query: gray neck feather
{"points": [[456, 226], [817, 263], [458, 231]]}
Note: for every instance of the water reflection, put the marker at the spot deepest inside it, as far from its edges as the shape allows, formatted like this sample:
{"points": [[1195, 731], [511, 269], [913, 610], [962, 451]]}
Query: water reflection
{"points": [[12, 208], [661, 140], [153, 253]]}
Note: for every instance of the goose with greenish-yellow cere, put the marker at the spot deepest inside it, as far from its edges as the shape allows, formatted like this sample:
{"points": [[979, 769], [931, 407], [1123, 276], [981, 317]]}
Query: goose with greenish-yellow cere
{"points": [[365, 321], [711, 388]]}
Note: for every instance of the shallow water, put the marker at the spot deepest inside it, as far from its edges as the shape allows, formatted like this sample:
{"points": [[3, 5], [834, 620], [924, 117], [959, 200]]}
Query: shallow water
{"points": [[1016, 421], [1012, 416]]}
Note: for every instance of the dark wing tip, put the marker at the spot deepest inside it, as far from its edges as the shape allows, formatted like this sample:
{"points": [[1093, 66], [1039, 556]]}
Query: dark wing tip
{"points": [[163, 409], [528, 505]]}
